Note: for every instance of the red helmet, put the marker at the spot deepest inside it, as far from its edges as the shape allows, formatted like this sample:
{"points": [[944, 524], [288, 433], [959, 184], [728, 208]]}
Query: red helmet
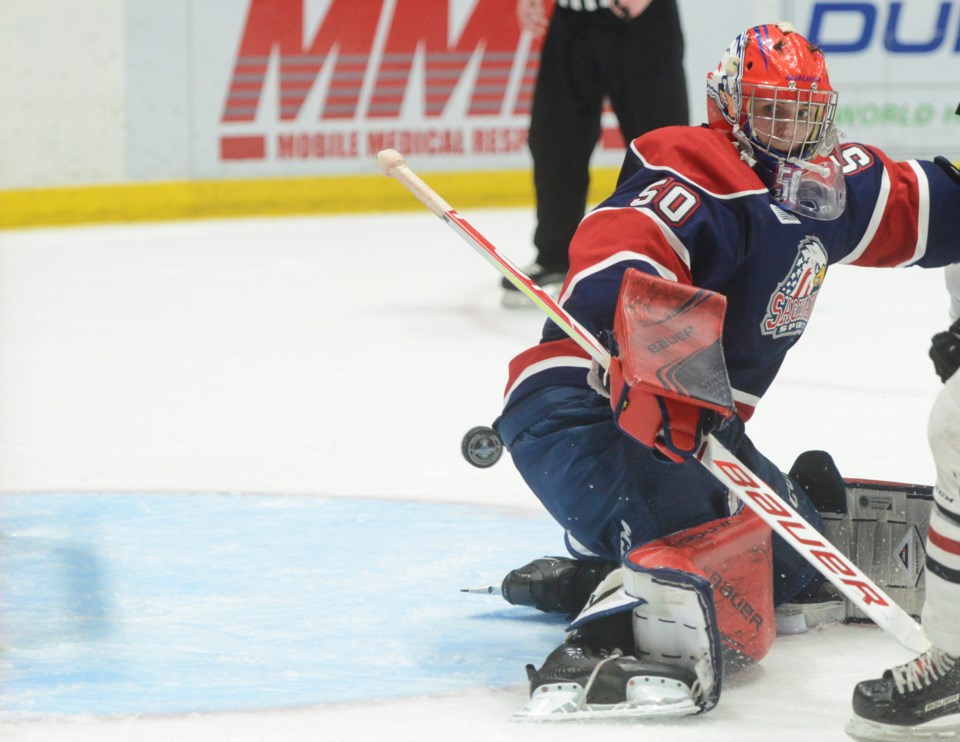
{"points": [[772, 91]]}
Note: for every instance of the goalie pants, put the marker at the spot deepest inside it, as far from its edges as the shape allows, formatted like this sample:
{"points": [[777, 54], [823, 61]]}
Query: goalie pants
{"points": [[611, 494]]}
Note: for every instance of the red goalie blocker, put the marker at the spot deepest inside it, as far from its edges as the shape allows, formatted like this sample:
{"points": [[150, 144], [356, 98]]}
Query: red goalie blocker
{"points": [[670, 375], [735, 555]]}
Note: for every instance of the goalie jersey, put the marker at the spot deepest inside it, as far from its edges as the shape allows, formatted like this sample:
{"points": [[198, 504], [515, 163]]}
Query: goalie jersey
{"points": [[687, 209]]}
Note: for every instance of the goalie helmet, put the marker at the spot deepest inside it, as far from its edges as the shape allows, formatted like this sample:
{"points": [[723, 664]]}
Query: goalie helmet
{"points": [[772, 92]]}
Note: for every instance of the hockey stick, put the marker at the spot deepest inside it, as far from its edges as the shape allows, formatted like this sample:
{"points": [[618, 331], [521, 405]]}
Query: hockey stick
{"points": [[755, 494], [392, 163]]}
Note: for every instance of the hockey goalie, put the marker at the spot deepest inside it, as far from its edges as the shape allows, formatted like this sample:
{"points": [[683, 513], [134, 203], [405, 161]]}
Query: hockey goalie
{"points": [[698, 274], [647, 641], [654, 634]]}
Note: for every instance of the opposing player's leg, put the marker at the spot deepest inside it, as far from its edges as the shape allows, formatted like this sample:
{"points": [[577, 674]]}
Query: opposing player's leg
{"points": [[921, 699]]}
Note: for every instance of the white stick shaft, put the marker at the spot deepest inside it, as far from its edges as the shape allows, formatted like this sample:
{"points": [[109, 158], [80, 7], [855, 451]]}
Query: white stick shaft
{"points": [[782, 518], [786, 522], [392, 163]]}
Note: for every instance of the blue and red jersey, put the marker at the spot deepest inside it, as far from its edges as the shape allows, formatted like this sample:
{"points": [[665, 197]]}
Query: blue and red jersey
{"points": [[688, 209]]}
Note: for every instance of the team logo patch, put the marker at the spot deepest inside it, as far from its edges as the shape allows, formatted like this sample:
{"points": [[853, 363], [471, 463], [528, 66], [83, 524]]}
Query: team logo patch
{"points": [[791, 304]]}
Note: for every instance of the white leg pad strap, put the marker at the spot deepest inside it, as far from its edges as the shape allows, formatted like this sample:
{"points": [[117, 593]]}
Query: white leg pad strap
{"points": [[674, 621], [677, 624]]}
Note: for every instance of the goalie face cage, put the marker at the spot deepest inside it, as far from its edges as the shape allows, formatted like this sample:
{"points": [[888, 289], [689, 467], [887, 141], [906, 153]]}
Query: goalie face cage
{"points": [[771, 90], [787, 122]]}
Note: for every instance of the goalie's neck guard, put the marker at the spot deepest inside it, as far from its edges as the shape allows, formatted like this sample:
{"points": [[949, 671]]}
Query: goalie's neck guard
{"points": [[813, 188]]}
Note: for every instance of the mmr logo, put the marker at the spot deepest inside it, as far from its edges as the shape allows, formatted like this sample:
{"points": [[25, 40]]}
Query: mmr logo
{"points": [[343, 46]]}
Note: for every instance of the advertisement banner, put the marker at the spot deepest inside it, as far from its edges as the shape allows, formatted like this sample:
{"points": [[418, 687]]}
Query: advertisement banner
{"points": [[897, 67], [254, 88], [322, 87]]}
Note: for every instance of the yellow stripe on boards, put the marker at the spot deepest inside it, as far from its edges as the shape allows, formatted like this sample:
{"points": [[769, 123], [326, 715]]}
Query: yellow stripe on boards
{"points": [[137, 202]]}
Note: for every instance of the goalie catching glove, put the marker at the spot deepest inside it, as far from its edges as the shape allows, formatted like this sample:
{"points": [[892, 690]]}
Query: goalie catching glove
{"points": [[669, 387], [673, 427]]}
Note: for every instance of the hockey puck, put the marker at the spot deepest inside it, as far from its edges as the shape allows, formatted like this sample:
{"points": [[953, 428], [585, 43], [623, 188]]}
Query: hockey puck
{"points": [[482, 446]]}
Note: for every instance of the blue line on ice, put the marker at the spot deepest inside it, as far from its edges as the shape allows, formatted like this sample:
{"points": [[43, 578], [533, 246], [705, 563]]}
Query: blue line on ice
{"points": [[151, 603]]}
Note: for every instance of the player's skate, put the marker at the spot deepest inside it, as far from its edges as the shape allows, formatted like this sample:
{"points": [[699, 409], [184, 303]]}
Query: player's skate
{"points": [[547, 279], [554, 584], [916, 701], [588, 676]]}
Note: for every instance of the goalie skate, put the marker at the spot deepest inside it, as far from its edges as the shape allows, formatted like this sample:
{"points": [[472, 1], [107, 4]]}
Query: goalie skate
{"points": [[584, 679]]}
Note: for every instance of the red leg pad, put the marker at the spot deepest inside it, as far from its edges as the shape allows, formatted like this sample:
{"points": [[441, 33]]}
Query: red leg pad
{"points": [[735, 555]]}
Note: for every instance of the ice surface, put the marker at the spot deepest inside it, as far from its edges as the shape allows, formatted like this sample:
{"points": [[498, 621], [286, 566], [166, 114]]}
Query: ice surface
{"points": [[344, 358]]}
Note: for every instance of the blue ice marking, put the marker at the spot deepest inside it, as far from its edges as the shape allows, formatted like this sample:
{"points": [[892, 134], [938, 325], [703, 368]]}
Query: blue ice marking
{"points": [[147, 603]]}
